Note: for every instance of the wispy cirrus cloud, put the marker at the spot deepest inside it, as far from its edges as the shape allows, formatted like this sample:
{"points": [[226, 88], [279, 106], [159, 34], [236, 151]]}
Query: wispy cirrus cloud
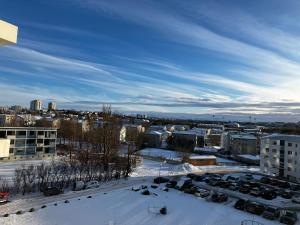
{"points": [[213, 58]]}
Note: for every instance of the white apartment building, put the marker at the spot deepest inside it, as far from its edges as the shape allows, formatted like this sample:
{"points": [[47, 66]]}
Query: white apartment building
{"points": [[280, 155], [36, 105], [240, 143], [52, 106], [27, 143]]}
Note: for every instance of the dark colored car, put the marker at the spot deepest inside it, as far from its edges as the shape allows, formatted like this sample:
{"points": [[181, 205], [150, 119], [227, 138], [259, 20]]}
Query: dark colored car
{"points": [[171, 184], [295, 187], [254, 208], [191, 175], [219, 197], [190, 190], [240, 204], [268, 194], [233, 186], [198, 178], [271, 213], [160, 180], [289, 218], [255, 192], [49, 191], [245, 189], [231, 178], [224, 184], [287, 195], [214, 182], [264, 180], [284, 184]]}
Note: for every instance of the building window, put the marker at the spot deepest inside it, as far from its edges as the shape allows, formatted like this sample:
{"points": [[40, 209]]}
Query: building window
{"points": [[12, 141], [290, 144], [274, 150], [290, 152], [289, 169], [274, 142], [267, 149], [11, 132]]}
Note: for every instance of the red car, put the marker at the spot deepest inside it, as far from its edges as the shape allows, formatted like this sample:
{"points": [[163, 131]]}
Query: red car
{"points": [[4, 197]]}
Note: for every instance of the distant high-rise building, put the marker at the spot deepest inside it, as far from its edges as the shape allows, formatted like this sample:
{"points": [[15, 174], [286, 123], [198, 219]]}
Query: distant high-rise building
{"points": [[52, 106], [36, 105]]}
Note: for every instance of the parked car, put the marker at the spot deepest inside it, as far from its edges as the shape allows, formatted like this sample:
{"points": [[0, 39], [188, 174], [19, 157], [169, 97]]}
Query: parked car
{"points": [[271, 213], [160, 180], [92, 184], [289, 218], [268, 194], [191, 175], [224, 184], [198, 178], [219, 197], [203, 193], [287, 194], [171, 184], [240, 204], [296, 199], [264, 180], [214, 182], [190, 190], [295, 187], [284, 184], [4, 196], [255, 192], [183, 183], [254, 207], [233, 187], [245, 189], [50, 191], [78, 186], [231, 178]]}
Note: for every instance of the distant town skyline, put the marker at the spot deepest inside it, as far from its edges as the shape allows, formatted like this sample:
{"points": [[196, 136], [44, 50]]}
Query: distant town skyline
{"points": [[172, 57]]}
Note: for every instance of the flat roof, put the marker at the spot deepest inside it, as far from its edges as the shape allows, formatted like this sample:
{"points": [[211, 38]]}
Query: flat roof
{"points": [[27, 128], [285, 137]]}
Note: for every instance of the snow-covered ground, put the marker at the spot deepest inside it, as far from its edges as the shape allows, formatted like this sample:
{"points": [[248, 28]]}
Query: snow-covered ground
{"points": [[126, 207], [7, 169], [154, 168]]}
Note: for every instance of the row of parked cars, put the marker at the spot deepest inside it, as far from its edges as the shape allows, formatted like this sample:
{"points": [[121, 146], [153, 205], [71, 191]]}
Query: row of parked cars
{"points": [[77, 186], [280, 183], [246, 185], [271, 213], [186, 185]]}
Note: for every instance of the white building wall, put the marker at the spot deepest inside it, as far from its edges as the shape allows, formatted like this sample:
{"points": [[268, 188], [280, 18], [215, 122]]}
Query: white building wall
{"points": [[4, 148]]}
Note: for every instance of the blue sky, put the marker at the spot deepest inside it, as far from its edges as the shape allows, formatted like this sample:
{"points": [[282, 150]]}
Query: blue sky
{"points": [[200, 57]]}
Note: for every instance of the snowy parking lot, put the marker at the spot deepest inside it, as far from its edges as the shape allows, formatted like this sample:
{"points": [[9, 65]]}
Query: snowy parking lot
{"points": [[126, 207]]}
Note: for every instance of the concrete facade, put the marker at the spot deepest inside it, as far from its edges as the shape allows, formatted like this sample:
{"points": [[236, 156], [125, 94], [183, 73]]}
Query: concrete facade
{"points": [[280, 155], [29, 142], [36, 105]]}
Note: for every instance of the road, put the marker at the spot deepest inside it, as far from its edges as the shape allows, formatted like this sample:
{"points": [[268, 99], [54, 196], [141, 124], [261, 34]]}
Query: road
{"points": [[36, 201]]}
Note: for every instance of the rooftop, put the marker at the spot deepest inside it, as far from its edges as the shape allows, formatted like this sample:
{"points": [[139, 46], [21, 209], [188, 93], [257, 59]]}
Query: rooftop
{"points": [[27, 128], [285, 137]]}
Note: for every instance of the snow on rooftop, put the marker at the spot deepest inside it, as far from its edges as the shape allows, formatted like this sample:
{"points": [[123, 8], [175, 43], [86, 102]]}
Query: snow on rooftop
{"points": [[202, 157], [252, 157]]}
